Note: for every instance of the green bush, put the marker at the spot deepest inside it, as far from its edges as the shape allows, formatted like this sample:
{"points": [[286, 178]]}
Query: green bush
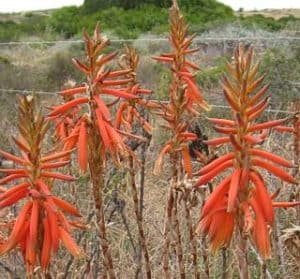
{"points": [[9, 31], [66, 21], [130, 19], [282, 65], [267, 23]]}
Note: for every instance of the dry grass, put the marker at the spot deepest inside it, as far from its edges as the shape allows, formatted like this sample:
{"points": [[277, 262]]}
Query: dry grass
{"points": [[274, 13]]}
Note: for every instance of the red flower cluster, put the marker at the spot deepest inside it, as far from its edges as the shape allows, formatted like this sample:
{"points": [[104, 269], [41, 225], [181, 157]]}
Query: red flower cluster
{"points": [[64, 125], [101, 81], [128, 109], [243, 194], [184, 93], [41, 223]]}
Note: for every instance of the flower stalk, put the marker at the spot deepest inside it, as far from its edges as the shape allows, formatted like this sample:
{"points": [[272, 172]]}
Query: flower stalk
{"points": [[127, 115]]}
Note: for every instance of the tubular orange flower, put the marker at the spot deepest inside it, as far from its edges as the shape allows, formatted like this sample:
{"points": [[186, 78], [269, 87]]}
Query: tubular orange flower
{"points": [[244, 190], [36, 226], [65, 123]]}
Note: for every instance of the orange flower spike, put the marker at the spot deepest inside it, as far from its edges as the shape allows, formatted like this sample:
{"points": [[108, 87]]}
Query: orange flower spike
{"points": [[217, 141], [81, 66], [285, 204], [163, 59], [247, 186], [42, 187], [259, 107], [13, 158], [215, 163], [103, 108], [159, 160], [27, 230], [266, 125], [129, 60], [116, 82], [21, 144], [284, 129], [184, 94], [119, 115], [102, 130], [30, 257], [12, 177], [223, 233], [258, 95], [55, 165], [104, 59], [118, 93], [221, 121]]}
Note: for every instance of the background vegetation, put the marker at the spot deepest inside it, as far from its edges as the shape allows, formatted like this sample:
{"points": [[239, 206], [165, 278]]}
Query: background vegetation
{"points": [[129, 19]]}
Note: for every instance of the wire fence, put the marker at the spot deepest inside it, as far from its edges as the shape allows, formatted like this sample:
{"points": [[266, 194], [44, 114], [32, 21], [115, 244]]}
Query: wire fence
{"points": [[227, 39], [198, 39], [24, 92]]}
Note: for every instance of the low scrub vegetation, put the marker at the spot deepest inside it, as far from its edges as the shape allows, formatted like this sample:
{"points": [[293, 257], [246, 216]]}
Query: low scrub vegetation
{"points": [[130, 18]]}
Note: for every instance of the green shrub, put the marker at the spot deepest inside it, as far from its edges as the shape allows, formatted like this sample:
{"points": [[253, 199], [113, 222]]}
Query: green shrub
{"points": [[66, 21], [9, 31], [267, 23]]}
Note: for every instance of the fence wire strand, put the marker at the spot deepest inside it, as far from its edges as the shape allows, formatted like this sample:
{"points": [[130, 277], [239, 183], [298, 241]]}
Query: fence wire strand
{"points": [[200, 39], [15, 91]]}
